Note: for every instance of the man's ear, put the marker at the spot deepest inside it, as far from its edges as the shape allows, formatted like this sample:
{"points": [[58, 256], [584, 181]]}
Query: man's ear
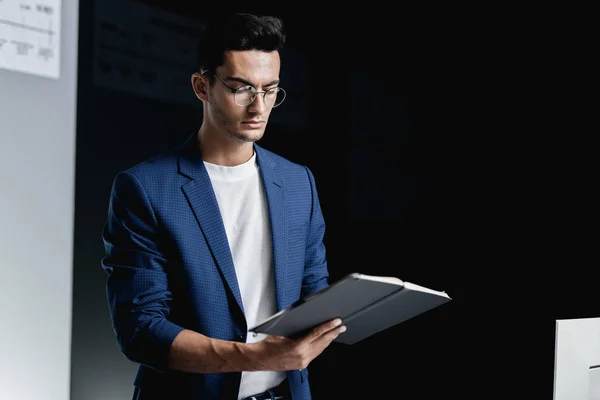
{"points": [[200, 85]]}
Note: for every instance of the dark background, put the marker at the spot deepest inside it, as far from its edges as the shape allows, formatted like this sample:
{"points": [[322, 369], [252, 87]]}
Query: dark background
{"points": [[426, 171]]}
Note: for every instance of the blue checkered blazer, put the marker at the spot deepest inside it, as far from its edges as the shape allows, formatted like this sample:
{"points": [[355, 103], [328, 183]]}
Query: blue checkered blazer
{"points": [[169, 266]]}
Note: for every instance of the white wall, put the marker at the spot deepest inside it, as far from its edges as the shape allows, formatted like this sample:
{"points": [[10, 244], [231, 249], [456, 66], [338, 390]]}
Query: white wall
{"points": [[577, 347], [37, 158]]}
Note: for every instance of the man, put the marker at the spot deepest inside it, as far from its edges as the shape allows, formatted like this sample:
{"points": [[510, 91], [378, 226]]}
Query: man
{"points": [[205, 241]]}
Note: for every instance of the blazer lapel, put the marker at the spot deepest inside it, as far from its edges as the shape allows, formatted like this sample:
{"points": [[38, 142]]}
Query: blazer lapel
{"points": [[275, 194], [202, 199]]}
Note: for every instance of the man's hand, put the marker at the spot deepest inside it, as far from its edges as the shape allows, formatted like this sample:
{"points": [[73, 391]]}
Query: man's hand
{"points": [[277, 353]]}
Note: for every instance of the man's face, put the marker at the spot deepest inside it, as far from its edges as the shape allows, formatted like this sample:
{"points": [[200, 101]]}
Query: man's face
{"points": [[241, 69]]}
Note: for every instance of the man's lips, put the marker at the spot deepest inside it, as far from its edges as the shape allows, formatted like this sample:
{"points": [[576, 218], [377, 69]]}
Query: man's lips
{"points": [[253, 124]]}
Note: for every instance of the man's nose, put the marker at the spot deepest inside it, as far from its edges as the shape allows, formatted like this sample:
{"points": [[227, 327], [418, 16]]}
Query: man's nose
{"points": [[258, 104]]}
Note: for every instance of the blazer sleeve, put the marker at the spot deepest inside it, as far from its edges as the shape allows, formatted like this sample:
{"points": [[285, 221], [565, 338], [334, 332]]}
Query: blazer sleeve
{"points": [[137, 284], [315, 269]]}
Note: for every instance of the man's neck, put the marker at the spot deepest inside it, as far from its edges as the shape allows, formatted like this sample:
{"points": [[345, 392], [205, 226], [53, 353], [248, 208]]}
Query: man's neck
{"points": [[216, 149]]}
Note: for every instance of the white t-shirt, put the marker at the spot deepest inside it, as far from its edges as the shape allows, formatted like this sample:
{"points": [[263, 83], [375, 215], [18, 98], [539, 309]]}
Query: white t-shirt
{"points": [[242, 202]]}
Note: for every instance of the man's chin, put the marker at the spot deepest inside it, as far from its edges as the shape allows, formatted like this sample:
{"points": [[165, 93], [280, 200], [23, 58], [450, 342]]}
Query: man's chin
{"points": [[249, 135]]}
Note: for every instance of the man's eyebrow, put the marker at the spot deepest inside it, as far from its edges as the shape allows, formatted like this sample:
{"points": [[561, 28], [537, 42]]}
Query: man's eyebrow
{"points": [[245, 82]]}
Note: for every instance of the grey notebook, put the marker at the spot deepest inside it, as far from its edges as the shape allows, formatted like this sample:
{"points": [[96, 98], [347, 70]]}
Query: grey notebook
{"points": [[367, 304]]}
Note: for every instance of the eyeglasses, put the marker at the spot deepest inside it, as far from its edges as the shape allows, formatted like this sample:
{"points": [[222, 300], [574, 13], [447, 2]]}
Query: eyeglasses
{"points": [[245, 95]]}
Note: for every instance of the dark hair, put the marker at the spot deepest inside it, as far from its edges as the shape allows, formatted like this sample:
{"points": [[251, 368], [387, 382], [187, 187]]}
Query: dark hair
{"points": [[240, 31]]}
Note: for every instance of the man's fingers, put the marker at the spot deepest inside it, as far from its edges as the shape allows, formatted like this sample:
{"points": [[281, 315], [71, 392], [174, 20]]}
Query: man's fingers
{"points": [[323, 329], [334, 333], [325, 340], [328, 329]]}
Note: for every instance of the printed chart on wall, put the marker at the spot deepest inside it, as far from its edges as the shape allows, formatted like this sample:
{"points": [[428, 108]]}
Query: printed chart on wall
{"points": [[30, 37]]}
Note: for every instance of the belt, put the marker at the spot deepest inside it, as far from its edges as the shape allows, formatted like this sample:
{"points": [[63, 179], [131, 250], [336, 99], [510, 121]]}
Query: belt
{"points": [[279, 392]]}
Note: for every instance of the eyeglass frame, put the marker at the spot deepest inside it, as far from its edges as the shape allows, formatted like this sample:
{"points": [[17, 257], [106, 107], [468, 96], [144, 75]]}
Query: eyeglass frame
{"points": [[256, 92]]}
